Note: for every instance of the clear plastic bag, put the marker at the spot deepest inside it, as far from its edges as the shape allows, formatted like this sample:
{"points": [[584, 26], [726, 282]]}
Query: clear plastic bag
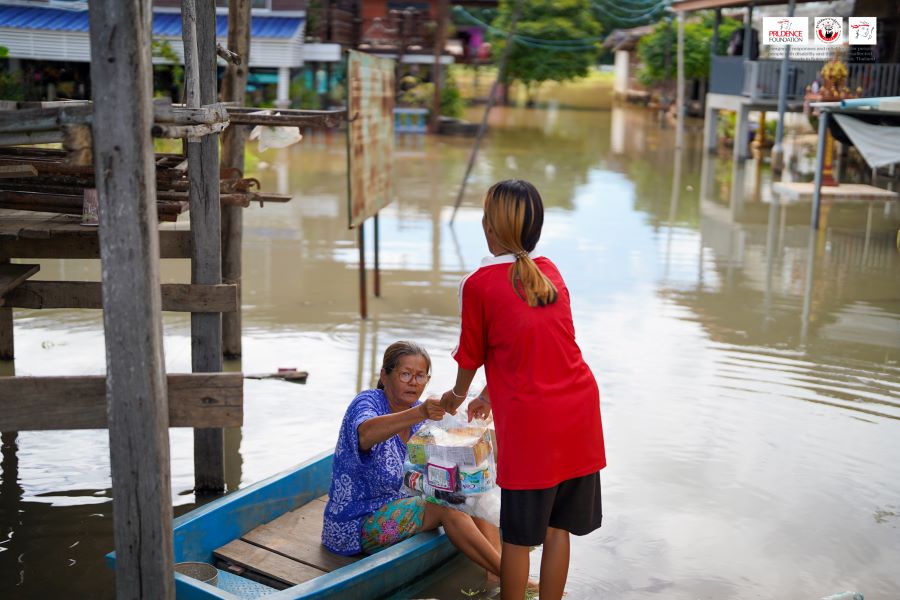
{"points": [[451, 462], [274, 137]]}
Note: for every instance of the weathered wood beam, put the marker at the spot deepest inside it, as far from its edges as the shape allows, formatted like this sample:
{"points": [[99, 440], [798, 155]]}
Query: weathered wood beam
{"points": [[42, 403], [12, 276], [324, 119], [176, 297], [166, 131], [7, 345], [137, 399], [206, 262], [17, 171], [34, 137], [234, 90], [172, 244], [44, 119]]}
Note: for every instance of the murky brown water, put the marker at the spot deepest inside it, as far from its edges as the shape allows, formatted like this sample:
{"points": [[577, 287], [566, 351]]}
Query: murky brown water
{"points": [[749, 372]]}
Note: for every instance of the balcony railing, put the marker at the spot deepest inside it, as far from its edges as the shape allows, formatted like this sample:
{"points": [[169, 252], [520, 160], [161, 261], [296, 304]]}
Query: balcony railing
{"points": [[759, 79]]}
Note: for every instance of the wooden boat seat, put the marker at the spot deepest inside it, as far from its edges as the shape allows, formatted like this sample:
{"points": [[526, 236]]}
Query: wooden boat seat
{"points": [[11, 276], [285, 551]]}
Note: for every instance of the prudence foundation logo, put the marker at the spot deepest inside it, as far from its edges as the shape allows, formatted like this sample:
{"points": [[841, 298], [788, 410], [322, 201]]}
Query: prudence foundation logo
{"points": [[829, 30], [782, 31], [862, 30]]}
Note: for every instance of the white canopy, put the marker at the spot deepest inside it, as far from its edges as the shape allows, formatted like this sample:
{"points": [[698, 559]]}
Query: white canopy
{"points": [[879, 144]]}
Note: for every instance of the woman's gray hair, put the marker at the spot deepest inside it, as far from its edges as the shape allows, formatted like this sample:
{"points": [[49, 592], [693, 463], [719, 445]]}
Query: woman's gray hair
{"points": [[398, 350]]}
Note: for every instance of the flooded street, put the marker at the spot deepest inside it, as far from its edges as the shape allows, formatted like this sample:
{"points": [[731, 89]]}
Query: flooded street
{"points": [[748, 370]]}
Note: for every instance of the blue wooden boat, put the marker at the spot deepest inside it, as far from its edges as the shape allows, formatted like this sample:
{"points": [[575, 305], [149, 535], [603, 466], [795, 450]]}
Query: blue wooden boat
{"points": [[273, 523]]}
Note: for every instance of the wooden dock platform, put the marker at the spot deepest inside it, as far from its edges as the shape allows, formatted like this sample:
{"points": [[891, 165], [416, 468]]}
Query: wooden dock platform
{"points": [[284, 552], [799, 191]]}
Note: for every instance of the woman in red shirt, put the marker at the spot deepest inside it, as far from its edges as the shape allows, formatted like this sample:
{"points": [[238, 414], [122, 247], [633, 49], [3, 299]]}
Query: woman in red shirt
{"points": [[517, 323]]}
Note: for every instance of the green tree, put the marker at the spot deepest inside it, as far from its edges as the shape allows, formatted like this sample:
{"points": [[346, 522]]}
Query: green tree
{"points": [[658, 51], [556, 40]]}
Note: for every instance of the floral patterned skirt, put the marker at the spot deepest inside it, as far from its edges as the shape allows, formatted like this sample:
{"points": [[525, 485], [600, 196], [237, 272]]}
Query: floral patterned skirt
{"points": [[392, 523]]}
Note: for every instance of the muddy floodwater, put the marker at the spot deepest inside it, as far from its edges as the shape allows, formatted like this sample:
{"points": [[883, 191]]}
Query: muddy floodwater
{"points": [[748, 369]]}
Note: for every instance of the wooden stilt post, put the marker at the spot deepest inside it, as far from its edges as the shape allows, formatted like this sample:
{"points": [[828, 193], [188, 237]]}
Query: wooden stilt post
{"points": [[234, 88], [129, 248], [363, 307], [206, 245], [377, 242], [821, 149], [440, 41], [7, 343]]}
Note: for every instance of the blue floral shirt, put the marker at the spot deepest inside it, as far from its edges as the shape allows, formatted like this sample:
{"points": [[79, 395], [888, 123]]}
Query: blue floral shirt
{"points": [[361, 481]]}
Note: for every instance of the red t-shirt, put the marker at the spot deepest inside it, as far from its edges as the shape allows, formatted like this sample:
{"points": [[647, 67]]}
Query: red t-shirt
{"points": [[544, 398]]}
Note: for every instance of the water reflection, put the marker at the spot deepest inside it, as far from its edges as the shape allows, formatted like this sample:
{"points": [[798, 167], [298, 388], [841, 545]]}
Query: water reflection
{"points": [[748, 369]]}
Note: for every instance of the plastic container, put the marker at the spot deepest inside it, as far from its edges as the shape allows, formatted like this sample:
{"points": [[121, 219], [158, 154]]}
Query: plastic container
{"points": [[199, 570]]}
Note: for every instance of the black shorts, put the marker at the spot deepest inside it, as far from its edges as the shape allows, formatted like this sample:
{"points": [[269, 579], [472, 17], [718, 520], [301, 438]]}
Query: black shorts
{"points": [[573, 505]]}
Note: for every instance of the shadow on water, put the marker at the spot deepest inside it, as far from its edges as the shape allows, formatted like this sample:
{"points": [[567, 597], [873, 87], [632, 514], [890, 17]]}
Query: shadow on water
{"points": [[749, 369]]}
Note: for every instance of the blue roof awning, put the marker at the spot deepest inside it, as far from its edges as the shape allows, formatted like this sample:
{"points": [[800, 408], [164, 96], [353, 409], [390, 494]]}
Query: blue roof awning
{"points": [[164, 24]]}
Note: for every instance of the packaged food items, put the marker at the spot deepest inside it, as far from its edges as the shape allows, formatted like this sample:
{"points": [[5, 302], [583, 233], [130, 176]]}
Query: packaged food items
{"points": [[463, 446], [442, 475], [475, 480], [451, 462]]}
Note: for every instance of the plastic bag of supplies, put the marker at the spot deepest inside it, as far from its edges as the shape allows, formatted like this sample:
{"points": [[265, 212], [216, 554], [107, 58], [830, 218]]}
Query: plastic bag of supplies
{"points": [[451, 462]]}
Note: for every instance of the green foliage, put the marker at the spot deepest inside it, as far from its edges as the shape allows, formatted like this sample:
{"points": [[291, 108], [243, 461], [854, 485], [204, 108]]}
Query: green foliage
{"points": [[555, 20], [658, 51], [452, 104], [418, 94], [10, 89], [304, 97], [163, 49]]}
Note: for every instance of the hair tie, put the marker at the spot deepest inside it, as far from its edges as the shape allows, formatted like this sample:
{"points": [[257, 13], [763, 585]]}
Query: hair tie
{"points": [[521, 254]]}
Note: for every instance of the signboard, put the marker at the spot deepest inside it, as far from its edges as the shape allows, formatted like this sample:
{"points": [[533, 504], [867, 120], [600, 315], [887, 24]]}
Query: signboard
{"points": [[370, 133]]}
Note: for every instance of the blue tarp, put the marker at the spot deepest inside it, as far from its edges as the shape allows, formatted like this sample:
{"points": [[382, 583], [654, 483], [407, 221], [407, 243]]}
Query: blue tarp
{"points": [[164, 24]]}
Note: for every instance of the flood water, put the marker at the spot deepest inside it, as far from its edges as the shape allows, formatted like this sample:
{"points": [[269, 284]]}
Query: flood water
{"points": [[748, 369]]}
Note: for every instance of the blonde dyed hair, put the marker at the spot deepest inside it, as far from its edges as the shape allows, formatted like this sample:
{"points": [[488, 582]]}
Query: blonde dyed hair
{"points": [[515, 212]]}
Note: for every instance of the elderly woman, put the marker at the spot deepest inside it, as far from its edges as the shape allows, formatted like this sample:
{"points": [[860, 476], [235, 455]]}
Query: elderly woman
{"points": [[366, 509]]}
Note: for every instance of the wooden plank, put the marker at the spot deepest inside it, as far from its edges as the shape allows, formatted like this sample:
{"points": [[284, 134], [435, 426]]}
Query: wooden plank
{"points": [[176, 297], [82, 243], [11, 276], [124, 169], [7, 341], [297, 535], [42, 403], [17, 171], [206, 259], [267, 563]]}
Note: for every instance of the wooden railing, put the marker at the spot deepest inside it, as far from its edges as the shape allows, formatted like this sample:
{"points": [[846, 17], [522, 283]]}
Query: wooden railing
{"points": [[759, 79]]}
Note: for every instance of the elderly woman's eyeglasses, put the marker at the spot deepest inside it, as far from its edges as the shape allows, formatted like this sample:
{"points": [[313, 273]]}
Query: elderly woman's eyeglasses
{"points": [[406, 377]]}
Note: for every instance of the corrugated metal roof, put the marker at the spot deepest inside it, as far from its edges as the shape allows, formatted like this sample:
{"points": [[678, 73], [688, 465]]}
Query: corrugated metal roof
{"points": [[164, 24]]}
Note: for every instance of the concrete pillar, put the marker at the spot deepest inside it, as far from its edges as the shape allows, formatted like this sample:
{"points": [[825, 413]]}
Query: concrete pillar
{"points": [[710, 135], [283, 96], [741, 129]]}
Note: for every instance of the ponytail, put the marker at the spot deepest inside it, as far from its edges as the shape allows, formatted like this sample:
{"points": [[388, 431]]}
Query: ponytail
{"points": [[530, 283], [515, 212]]}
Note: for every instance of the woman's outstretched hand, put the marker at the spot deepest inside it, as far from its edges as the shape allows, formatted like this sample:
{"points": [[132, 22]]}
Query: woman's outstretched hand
{"points": [[479, 408], [451, 401], [432, 409]]}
